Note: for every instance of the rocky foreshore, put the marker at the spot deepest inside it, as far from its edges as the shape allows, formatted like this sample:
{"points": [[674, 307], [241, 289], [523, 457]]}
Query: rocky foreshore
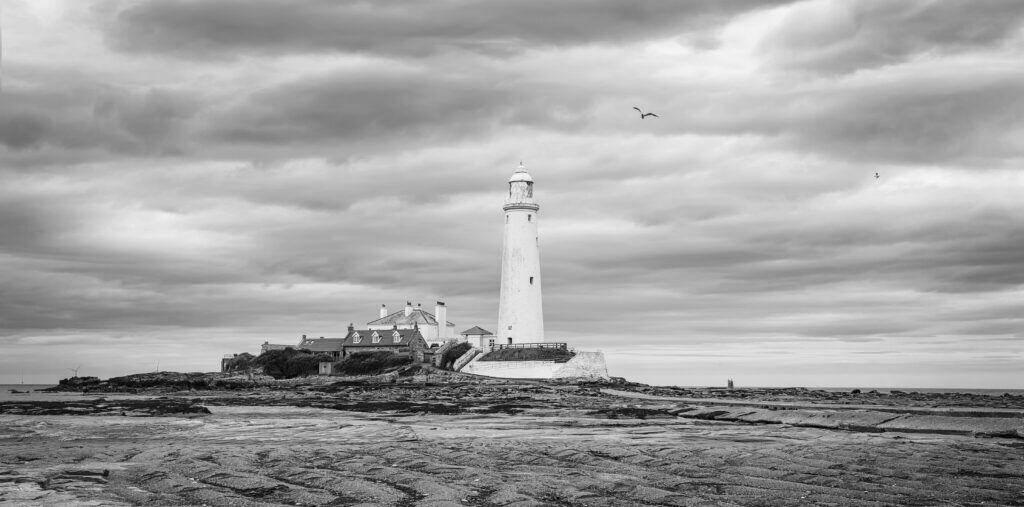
{"points": [[436, 438], [449, 393], [851, 397], [165, 382]]}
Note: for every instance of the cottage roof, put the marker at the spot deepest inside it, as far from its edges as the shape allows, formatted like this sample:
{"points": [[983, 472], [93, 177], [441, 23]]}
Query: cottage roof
{"points": [[321, 344], [386, 338], [418, 316], [476, 331]]}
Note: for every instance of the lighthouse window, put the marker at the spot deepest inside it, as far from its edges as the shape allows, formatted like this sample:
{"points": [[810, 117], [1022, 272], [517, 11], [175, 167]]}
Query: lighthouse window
{"points": [[506, 219], [531, 280], [529, 218]]}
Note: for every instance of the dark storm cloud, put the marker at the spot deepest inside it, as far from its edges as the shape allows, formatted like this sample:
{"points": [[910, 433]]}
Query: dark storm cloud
{"points": [[361, 105], [933, 123], [973, 251], [76, 119], [348, 113], [63, 117], [226, 27], [153, 118], [23, 129], [30, 224], [935, 115], [843, 36]]}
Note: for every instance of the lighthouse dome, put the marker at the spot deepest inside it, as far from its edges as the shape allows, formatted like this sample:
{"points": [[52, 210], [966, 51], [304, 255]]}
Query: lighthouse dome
{"points": [[520, 174]]}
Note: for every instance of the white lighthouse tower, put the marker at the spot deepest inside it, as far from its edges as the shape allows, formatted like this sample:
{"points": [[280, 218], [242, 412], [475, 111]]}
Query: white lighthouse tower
{"points": [[520, 310]]}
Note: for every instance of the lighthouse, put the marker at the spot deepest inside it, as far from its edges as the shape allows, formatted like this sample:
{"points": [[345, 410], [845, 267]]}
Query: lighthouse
{"points": [[520, 310]]}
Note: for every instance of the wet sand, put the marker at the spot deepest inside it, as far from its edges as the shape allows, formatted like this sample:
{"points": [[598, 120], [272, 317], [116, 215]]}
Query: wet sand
{"points": [[493, 444]]}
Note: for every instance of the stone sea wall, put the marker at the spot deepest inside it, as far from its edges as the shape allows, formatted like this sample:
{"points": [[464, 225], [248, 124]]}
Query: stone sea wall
{"points": [[583, 365]]}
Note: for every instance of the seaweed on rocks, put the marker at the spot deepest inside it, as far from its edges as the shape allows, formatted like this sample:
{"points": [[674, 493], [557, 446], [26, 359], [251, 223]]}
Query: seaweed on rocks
{"points": [[135, 408], [401, 407], [632, 413], [505, 408]]}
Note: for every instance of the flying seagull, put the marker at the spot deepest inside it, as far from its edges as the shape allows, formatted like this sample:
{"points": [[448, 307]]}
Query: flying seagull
{"points": [[645, 115], [876, 176]]}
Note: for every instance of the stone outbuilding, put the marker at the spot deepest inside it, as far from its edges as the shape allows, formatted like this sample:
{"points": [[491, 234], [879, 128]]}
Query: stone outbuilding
{"points": [[478, 337]]}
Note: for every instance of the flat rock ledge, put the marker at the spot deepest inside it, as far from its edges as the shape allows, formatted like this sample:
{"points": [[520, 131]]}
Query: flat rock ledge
{"points": [[861, 420], [130, 408]]}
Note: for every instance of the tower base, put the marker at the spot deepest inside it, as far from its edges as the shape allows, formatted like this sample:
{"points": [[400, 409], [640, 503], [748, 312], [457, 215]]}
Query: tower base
{"points": [[585, 365]]}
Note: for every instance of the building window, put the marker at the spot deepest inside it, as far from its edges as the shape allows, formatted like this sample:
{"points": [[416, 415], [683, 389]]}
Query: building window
{"points": [[529, 218], [490, 342], [375, 337], [531, 280], [397, 336], [510, 340], [356, 338], [506, 219]]}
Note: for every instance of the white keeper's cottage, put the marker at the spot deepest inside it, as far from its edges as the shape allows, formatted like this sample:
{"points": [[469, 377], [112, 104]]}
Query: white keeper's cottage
{"points": [[435, 327]]}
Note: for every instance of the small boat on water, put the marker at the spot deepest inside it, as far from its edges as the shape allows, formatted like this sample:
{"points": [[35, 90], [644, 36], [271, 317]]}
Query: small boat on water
{"points": [[15, 391]]}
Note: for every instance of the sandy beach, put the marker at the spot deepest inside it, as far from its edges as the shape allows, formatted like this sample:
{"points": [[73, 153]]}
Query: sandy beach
{"points": [[505, 443]]}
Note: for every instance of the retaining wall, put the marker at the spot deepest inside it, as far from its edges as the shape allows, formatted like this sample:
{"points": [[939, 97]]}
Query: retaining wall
{"points": [[465, 358], [584, 364], [439, 353]]}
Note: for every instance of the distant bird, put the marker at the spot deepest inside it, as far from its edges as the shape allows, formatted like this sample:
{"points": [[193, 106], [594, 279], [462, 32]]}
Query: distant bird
{"points": [[645, 115], [876, 176]]}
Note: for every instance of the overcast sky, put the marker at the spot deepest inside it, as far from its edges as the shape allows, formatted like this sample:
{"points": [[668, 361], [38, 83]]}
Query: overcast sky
{"points": [[180, 179]]}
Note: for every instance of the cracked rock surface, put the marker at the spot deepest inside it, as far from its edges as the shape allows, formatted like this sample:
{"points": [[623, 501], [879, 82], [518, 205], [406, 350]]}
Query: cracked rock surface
{"points": [[496, 444]]}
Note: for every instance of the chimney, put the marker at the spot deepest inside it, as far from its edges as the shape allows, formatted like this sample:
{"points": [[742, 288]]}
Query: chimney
{"points": [[383, 311], [408, 308], [441, 314], [351, 327]]}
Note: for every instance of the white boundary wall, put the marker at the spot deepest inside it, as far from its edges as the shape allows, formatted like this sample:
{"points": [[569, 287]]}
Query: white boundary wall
{"points": [[465, 358], [583, 365]]}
